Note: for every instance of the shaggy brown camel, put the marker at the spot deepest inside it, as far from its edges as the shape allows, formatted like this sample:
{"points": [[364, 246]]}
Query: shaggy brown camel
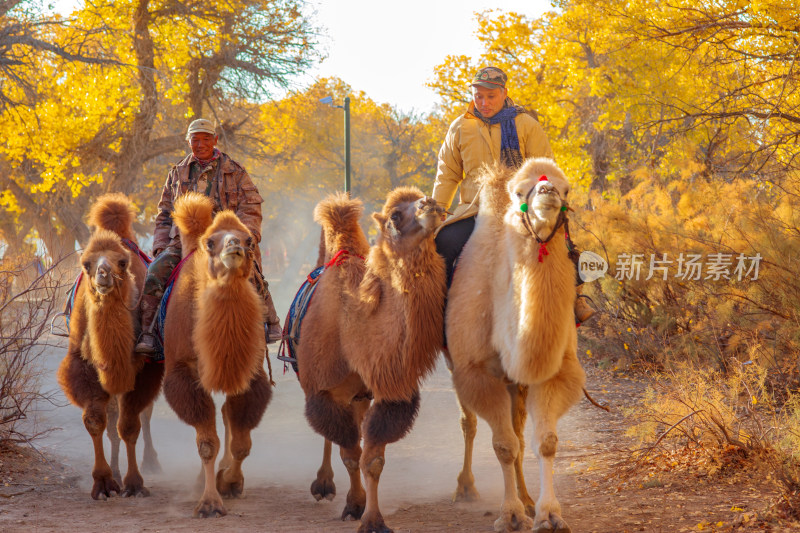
{"points": [[510, 326], [377, 328], [214, 342], [100, 364]]}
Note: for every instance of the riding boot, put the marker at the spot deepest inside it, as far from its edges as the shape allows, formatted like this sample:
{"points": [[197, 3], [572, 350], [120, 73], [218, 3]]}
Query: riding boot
{"points": [[274, 332], [148, 308], [583, 309]]}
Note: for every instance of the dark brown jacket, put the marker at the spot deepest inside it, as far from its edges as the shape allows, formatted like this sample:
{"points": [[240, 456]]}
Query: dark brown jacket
{"points": [[233, 190]]}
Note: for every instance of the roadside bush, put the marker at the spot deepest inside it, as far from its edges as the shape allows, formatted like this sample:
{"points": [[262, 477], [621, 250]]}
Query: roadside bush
{"points": [[29, 294]]}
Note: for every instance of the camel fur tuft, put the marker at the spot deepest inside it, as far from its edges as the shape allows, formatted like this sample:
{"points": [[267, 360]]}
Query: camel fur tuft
{"points": [[113, 212], [193, 214]]}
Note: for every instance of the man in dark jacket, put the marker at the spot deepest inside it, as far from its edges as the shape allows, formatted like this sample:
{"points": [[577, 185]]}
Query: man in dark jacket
{"points": [[211, 172]]}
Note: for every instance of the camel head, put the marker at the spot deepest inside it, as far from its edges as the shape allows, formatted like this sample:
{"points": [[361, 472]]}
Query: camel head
{"points": [[105, 262], [229, 246], [538, 194], [408, 217]]}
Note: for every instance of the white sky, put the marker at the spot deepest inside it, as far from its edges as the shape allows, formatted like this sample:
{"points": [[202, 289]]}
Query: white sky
{"points": [[389, 49]]}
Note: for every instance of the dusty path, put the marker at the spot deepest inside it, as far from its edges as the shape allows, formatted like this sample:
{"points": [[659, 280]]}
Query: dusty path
{"points": [[416, 485]]}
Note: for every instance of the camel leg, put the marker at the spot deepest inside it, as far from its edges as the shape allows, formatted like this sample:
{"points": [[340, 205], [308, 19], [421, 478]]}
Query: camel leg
{"points": [[466, 491], [131, 405], [81, 384], [323, 486], [195, 406], [150, 462], [242, 413], [112, 418], [547, 402], [351, 457], [489, 397], [385, 422], [519, 413]]}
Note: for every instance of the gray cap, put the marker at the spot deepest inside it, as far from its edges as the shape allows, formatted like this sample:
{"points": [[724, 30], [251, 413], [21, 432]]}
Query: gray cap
{"points": [[201, 125], [491, 78]]}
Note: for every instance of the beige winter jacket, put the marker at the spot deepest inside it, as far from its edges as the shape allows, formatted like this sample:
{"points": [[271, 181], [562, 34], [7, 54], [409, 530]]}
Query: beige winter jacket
{"points": [[469, 143]]}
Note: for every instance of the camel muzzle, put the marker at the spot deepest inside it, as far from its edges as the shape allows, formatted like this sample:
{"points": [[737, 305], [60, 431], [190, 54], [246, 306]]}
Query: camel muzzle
{"points": [[103, 277], [232, 255]]}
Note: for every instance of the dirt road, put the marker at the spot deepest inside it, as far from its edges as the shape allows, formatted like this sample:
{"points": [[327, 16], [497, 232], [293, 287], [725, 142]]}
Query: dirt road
{"points": [[416, 485]]}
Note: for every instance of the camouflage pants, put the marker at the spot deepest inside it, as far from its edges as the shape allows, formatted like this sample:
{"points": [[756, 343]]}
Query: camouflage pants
{"points": [[162, 266]]}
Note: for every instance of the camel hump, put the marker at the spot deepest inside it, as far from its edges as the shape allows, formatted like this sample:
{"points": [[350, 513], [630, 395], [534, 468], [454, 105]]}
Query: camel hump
{"points": [[399, 196], [337, 213], [193, 213], [113, 212]]}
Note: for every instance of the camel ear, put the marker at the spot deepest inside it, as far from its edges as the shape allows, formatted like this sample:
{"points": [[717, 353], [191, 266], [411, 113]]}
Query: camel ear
{"points": [[379, 219]]}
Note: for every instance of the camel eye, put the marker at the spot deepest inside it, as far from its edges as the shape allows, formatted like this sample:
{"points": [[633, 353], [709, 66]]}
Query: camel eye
{"points": [[210, 245], [519, 195], [249, 242], [87, 266], [395, 216], [123, 264]]}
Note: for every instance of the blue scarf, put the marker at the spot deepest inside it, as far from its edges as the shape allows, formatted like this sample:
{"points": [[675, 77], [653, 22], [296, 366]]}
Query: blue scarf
{"points": [[510, 154]]}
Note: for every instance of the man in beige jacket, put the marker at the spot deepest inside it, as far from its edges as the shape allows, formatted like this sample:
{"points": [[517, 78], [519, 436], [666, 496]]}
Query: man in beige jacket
{"points": [[492, 129]]}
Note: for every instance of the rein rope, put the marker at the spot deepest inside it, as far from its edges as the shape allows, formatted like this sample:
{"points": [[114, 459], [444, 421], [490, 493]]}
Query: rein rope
{"points": [[526, 221]]}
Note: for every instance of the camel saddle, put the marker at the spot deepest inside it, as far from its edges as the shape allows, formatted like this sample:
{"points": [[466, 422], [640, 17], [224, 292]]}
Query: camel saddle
{"points": [[294, 318]]}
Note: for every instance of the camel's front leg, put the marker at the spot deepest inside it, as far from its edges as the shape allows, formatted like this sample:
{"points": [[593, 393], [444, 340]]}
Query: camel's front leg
{"points": [[112, 419], [80, 382], [323, 486], [94, 419], [242, 413], [131, 405], [488, 396], [385, 422], [466, 491], [519, 414], [547, 403], [351, 457], [195, 406]]}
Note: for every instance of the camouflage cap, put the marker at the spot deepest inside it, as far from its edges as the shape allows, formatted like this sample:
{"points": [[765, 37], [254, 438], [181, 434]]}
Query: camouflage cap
{"points": [[491, 78], [201, 125]]}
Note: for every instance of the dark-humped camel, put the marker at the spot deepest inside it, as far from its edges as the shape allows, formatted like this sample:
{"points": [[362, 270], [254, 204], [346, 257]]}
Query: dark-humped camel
{"points": [[371, 333], [510, 327], [100, 372], [214, 342]]}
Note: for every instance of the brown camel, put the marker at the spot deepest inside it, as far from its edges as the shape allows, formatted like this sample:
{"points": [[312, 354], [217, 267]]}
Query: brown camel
{"points": [[510, 327], [100, 373], [375, 328], [214, 342]]}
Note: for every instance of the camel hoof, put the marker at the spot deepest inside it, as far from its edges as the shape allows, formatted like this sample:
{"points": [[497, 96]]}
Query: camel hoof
{"points": [[323, 488], [103, 487], [554, 524], [354, 510], [374, 528], [138, 491], [209, 509], [513, 522], [229, 489], [466, 493]]}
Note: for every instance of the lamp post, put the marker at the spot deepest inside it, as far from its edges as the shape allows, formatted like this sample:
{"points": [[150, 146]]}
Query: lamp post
{"points": [[346, 106]]}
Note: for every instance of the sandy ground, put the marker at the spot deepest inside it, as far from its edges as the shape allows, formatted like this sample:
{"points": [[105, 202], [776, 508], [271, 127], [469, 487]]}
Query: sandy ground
{"points": [[45, 495]]}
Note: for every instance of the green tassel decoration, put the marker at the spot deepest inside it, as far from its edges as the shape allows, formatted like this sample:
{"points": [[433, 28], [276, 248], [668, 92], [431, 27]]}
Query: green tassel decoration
{"points": [[524, 207]]}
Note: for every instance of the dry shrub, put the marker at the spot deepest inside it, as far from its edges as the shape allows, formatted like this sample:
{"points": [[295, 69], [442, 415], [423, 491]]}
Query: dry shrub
{"points": [[29, 293]]}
